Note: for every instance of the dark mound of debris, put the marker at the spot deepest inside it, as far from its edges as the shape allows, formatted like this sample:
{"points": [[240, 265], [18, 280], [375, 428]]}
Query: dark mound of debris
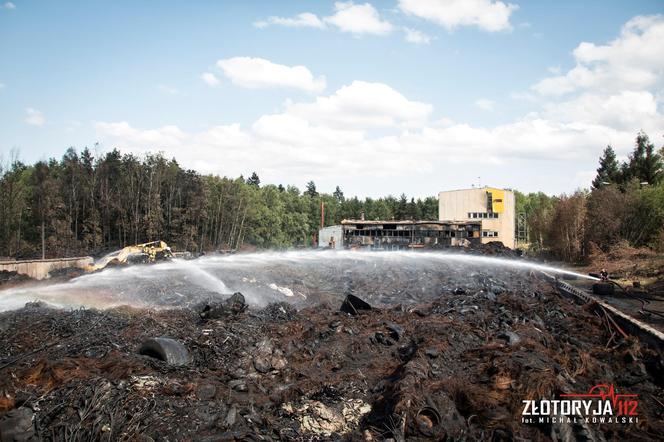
{"points": [[491, 248], [12, 278], [66, 273], [456, 368], [495, 248]]}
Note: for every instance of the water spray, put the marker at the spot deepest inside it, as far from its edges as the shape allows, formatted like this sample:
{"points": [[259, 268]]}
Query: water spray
{"points": [[297, 277]]}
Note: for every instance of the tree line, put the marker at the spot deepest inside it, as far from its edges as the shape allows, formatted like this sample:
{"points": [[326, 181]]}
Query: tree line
{"points": [[624, 206], [87, 204]]}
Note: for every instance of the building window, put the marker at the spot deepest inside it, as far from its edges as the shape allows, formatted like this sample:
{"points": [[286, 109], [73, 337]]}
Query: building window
{"points": [[483, 215]]}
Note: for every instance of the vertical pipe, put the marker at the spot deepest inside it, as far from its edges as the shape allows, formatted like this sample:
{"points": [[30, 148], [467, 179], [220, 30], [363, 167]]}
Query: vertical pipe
{"points": [[322, 214]]}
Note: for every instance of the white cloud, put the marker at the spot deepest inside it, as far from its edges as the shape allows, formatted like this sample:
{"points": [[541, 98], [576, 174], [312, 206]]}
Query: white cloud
{"points": [[255, 73], [2, 86], [348, 17], [358, 19], [34, 117], [625, 110], [309, 137], [143, 139], [633, 61], [485, 104], [303, 20], [614, 85], [365, 124], [415, 36], [210, 78], [9, 5], [368, 131], [488, 15], [364, 105], [287, 147]]}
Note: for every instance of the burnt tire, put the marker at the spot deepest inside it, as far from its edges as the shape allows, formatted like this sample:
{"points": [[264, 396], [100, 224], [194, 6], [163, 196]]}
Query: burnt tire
{"points": [[352, 305], [166, 349], [604, 289]]}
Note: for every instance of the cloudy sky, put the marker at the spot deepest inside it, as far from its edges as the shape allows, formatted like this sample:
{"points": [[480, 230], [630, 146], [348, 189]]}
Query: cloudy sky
{"points": [[384, 97]]}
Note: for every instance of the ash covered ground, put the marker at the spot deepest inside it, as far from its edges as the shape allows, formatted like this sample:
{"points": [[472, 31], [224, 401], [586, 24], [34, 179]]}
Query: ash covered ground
{"points": [[450, 349]]}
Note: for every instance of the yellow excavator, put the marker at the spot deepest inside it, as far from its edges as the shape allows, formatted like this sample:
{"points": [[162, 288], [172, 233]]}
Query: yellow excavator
{"points": [[148, 252]]}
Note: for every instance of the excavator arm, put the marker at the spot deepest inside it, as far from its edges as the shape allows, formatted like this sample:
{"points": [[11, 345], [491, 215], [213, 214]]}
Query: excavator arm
{"points": [[148, 252]]}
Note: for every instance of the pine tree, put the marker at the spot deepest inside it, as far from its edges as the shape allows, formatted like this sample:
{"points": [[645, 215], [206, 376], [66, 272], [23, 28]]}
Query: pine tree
{"points": [[253, 180], [608, 170], [311, 190], [644, 163], [338, 194], [413, 210], [402, 207]]}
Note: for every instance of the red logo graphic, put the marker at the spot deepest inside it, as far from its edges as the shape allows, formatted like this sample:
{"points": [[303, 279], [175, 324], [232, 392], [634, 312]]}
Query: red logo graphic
{"points": [[623, 404]]}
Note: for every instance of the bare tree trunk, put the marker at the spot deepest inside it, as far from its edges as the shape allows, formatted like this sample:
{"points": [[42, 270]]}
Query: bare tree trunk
{"points": [[43, 239], [231, 235], [18, 232], [217, 222], [240, 233]]}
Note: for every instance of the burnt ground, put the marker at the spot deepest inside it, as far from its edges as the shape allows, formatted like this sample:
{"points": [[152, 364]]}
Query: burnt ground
{"points": [[628, 266], [455, 368], [644, 304]]}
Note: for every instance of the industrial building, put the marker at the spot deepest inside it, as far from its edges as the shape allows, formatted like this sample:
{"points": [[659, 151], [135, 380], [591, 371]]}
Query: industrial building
{"points": [[399, 235], [494, 208]]}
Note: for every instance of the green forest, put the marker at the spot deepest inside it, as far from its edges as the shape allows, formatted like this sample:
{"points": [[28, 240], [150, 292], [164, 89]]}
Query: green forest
{"points": [[86, 205], [625, 205], [82, 204]]}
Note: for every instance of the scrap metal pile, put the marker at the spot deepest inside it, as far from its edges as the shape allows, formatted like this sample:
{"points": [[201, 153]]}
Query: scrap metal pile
{"points": [[456, 364]]}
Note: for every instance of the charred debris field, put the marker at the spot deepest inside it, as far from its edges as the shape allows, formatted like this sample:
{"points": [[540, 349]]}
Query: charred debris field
{"points": [[313, 346]]}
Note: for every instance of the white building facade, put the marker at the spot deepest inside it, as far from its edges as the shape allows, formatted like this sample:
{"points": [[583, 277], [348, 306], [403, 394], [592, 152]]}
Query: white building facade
{"points": [[495, 208]]}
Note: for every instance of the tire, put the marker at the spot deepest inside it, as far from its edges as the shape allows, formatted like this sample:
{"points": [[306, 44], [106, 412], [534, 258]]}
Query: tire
{"points": [[166, 349], [604, 289]]}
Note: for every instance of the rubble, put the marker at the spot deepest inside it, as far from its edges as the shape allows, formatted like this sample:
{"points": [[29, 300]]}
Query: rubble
{"points": [[454, 365], [353, 305], [234, 305], [66, 273], [16, 425], [494, 248], [8, 279]]}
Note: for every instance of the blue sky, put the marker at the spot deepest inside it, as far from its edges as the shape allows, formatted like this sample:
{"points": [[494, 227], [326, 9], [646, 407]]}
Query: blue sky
{"points": [[519, 94]]}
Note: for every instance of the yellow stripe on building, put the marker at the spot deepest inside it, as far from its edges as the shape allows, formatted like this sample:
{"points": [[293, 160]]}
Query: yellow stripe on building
{"points": [[498, 199]]}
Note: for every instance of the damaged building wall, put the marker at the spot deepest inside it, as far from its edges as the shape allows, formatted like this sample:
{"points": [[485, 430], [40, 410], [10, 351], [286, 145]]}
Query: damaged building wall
{"points": [[400, 235], [331, 235], [40, 268]]}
